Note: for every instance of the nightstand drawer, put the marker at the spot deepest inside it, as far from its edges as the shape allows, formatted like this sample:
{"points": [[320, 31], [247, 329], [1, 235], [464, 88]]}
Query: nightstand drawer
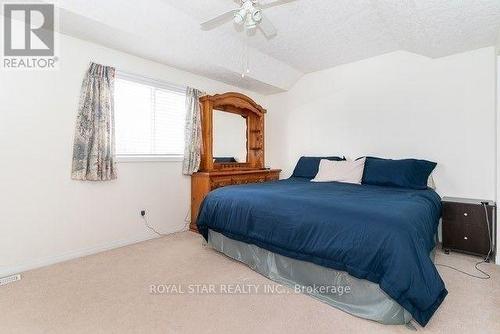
{"points": [[463, 213], [465, 237], [475, 237]]}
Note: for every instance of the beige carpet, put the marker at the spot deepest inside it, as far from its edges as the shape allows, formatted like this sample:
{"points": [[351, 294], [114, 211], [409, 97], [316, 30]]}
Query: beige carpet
{"points": [[110, 293]]}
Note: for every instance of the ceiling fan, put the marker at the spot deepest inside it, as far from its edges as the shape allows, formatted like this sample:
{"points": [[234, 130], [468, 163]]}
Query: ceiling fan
{"points": [[248, 15]]}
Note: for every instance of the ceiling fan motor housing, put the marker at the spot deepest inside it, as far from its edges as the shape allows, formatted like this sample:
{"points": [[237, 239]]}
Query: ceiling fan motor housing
{"points": [[249, 15]]}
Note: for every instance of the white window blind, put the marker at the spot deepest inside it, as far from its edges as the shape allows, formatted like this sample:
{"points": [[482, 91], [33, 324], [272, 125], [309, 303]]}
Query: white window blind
{"points": [[149, 118]]}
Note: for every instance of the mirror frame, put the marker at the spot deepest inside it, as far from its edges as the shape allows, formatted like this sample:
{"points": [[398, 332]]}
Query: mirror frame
{"points": [[244, 106]]}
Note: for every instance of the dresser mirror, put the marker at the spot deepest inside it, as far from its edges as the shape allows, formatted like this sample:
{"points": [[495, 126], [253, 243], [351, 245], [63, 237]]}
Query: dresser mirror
{"points": [[229, 137], [233, 133]]}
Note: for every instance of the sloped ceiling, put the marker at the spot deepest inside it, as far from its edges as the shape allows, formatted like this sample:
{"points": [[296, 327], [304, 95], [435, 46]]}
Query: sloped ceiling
{"points": [[312, 34]]}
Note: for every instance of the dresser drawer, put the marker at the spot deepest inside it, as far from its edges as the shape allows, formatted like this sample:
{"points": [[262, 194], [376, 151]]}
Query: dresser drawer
{"points": [[223, 181], [249, 179], [272, 177], [220, 182]]}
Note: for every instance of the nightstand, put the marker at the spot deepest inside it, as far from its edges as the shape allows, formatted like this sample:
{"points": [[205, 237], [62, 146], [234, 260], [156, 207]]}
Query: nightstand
{"points": [[464, 226]]}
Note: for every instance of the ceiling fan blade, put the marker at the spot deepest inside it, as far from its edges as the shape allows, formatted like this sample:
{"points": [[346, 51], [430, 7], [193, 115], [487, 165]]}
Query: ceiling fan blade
{"points": [[218, 20], [267, 28], [275, 3]]}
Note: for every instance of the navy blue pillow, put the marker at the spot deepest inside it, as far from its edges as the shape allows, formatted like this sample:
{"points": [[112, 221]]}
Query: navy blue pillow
{"points": [[307, 167], [406, 173]]}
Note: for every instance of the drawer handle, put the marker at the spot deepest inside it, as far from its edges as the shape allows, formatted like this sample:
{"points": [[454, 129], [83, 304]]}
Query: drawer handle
{"points": [[466, 214], [465, 238]]}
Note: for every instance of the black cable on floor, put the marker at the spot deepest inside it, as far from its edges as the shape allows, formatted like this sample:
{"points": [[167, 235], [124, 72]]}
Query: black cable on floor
{"points": [[486, 275], [152, 228]]}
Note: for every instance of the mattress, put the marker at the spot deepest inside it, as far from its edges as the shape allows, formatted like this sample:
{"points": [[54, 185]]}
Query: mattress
{"points": [[336, 288], [380, 234]]}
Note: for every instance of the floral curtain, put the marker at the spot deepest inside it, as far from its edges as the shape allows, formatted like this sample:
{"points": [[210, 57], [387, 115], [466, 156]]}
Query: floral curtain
{"points": [[94, 144], [192, 132]]}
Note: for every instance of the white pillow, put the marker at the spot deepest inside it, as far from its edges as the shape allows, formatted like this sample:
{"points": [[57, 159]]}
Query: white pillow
{"points": [[430, 182], [346, 171]]}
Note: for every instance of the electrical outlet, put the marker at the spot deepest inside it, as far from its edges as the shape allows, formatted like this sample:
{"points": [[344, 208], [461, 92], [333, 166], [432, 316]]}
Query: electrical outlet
{"points": [[10, 279], [143, 213]]}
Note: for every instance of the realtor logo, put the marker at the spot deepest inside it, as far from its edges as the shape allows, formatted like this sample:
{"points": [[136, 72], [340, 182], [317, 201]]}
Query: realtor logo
{"points": [[28, 36]]}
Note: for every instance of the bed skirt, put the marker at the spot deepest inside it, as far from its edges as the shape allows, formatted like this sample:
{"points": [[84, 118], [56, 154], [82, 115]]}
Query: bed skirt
{"points": [[358, 297]]}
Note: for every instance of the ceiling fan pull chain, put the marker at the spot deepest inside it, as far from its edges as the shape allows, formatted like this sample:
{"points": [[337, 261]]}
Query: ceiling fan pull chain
{"points": [[245, 60]]}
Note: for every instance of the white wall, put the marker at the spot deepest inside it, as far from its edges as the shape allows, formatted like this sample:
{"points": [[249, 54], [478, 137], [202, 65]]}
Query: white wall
{"points": [[396, 105], [45, 216], [497, 260]]}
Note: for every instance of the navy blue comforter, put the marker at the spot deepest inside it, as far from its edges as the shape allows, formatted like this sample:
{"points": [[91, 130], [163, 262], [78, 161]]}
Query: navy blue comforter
{"points": [[376, 233]]}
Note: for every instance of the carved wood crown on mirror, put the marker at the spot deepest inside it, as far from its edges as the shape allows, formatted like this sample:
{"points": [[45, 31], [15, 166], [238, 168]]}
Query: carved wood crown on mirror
{"points": [[213, 175]]}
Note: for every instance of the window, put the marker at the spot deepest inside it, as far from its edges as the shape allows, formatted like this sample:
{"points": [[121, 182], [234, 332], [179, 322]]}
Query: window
{"points": [[149, 119]]}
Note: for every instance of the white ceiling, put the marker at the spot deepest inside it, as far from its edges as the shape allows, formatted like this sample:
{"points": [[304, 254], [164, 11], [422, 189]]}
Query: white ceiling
{"points": [[312, 34]]}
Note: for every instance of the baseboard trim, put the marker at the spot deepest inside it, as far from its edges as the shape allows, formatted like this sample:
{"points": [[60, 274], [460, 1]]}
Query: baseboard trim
{"points": [[47, 261]]}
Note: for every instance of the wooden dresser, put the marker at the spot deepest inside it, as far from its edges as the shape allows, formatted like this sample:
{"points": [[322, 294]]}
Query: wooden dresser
{"points": [[216, 172], [204, 182]]}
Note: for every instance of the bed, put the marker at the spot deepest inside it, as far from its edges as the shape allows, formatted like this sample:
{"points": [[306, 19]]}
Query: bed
{"points": [[378, 239]]}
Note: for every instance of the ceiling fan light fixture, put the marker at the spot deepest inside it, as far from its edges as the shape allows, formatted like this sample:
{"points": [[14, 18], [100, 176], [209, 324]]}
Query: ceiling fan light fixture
{"points": [[240, 16], [257, 15], [249, 15]]}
